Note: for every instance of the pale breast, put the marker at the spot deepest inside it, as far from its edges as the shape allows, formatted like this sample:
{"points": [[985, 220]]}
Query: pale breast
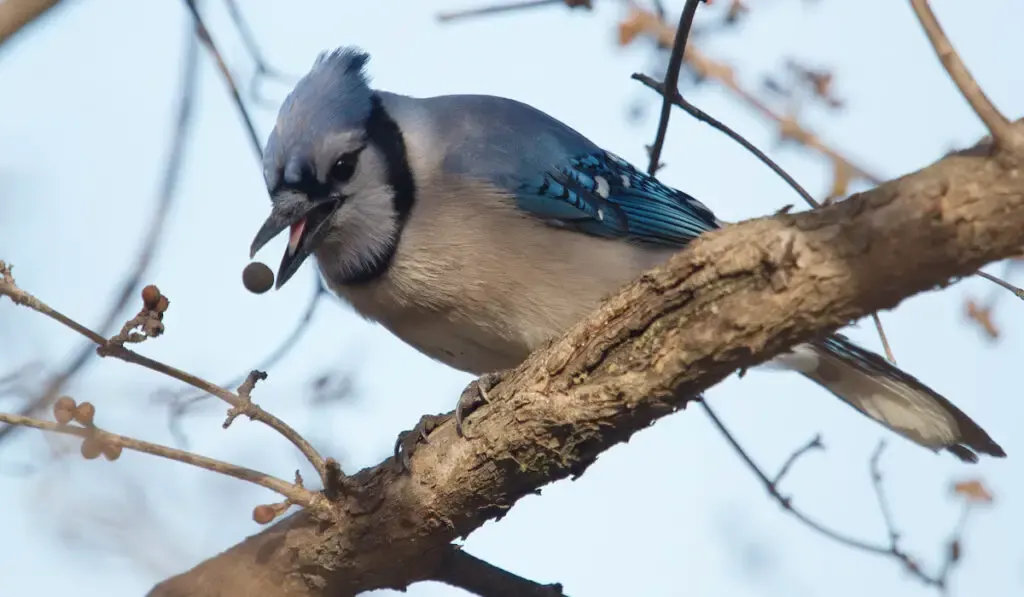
{"points": [[478, 285]]}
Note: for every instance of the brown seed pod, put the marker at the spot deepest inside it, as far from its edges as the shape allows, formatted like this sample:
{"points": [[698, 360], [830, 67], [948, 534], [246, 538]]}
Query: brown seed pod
{"points": [[150, 296], [161, 304], [92, 447], [257, 277], [63, 416], [85, 412], [111, 451], [263, 514], [64, 409]]}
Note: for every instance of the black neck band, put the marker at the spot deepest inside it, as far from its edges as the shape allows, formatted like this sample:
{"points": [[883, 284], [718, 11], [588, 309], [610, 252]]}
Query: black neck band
{"points": [[383, 133]]}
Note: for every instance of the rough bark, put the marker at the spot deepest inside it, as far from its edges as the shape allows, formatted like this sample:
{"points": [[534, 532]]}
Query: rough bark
{"points": [[731, 300]]}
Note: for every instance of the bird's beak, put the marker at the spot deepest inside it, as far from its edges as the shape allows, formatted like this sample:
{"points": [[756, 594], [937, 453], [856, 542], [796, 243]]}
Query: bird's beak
{"points": [[308, 222]]}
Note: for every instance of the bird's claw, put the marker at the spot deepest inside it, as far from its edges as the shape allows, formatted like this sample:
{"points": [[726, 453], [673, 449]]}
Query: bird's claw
{"points": [[408, 441], [471, 398], [474, 396]]}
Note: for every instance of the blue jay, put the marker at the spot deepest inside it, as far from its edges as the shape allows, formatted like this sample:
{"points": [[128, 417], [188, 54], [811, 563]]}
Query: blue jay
{"points": [[476, 228]]}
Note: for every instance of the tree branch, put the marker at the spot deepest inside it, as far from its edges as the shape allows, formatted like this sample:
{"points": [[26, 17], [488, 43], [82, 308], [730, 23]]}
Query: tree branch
{"points": [[733, 299], [459, 569], [15, 15], [1003, 133]]}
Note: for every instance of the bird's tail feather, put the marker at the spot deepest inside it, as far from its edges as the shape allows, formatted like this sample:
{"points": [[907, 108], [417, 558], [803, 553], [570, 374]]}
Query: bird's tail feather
{"points": [[893, 398]]}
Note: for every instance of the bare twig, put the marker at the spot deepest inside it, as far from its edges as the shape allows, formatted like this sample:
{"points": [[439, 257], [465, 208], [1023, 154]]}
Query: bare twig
{"points": [[675, 64], [814, 444], [204, 36], [460, 569], [113, 349], [15, 15], [263, 68], [296, 494], [1018, 292], [181, 404], [892, 549], [1004, 135], [151, 239], [508, 7]]}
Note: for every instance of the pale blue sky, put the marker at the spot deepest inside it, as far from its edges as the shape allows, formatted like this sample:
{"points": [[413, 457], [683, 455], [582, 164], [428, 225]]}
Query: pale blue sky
{"points": [[88, 100]]}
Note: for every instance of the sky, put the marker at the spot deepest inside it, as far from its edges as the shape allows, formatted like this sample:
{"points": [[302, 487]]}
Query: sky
{"points": [[89, 99]]}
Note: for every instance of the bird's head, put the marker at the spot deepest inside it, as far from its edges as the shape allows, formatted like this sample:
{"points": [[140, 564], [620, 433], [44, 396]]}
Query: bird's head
{"points": [[329, 166]]}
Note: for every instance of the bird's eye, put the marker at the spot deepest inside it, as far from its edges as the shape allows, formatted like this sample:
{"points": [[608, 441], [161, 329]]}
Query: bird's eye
{"points": [[344, 168]]}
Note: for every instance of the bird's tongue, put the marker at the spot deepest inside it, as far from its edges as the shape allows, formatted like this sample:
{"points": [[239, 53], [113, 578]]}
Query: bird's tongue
{"points": [[295, 236]]}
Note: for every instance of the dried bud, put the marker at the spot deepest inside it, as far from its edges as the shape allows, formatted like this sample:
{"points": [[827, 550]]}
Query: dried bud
{"points": [[64, 410], [111, 451], [954, 551], [84, 413], [150, 296], [92, 447], [153, 327], [263, 514], [257, 277], [161, 304]]}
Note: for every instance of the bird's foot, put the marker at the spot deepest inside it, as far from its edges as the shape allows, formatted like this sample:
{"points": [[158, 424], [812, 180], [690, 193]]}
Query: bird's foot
{"points": [[474, 396], [408, 441], [471, 398]]}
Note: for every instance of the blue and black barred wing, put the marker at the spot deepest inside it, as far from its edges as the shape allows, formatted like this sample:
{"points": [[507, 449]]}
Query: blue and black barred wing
{"points": [[603, 195]]}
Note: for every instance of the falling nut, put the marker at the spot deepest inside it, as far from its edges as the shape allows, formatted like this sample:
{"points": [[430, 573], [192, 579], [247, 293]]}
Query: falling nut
{"points": [[84, 413], [150, 296], [257, 277]]}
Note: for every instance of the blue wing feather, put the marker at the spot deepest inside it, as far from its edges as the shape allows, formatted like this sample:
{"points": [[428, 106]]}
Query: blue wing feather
{"points": [[599, 193]]}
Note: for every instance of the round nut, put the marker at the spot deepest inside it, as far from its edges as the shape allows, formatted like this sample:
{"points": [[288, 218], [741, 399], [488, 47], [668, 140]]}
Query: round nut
{"points": [[85, 412], [92, 447], [263, 514], [111, 451], [150, 296], [257, 277], [161, 304]]}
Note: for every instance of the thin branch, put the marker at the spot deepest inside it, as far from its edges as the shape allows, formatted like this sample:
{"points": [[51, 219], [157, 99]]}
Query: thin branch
{"points": [[460, 569], [204, 36], [263, 67], [1004, 135], [238, 402], [814, 444], [297, 495], [675, 64], [1018, 292], [15, 15], [180, 405], [150, 240], [702, 116], [893, 548]]}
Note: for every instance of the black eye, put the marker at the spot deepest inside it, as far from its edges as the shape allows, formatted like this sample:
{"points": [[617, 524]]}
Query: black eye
{"points": [[344, 168]]}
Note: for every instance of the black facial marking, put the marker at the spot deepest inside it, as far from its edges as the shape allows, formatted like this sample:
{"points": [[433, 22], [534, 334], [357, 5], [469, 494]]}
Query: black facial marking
{"points": [[384, 134]]}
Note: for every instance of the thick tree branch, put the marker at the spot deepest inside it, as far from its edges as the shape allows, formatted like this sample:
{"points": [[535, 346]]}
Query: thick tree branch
{"points": [[733, 299]]}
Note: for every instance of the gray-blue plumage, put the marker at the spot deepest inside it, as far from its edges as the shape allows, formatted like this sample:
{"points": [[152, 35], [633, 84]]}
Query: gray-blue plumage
{"points": [[476, 228]]}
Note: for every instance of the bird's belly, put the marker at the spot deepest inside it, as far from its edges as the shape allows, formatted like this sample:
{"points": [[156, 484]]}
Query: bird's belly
{"points": [[473, 350]]}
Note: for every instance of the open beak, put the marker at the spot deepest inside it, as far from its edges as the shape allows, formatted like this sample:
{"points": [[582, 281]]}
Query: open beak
{"points": [[307, 221]]}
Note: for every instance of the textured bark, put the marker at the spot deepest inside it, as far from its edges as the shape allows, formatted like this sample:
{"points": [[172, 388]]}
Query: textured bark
{"points": [[731, 300]]}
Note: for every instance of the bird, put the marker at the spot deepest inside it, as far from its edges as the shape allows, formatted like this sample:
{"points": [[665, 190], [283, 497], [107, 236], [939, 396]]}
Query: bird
{"points": [[476, 228]]}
